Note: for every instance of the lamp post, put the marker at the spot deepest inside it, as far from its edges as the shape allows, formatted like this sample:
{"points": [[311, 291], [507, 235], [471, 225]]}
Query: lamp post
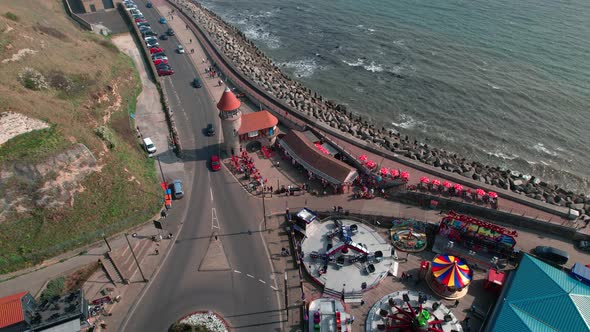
{"points": [[264, 208], [107, 241], [135, 258]]}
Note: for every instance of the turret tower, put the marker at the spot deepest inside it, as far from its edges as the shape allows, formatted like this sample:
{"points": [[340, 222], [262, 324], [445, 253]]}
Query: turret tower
{"points": [[231, 121]]}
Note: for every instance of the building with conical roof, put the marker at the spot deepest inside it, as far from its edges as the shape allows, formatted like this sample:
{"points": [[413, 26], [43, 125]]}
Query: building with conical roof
{"points": [[241, 130]]}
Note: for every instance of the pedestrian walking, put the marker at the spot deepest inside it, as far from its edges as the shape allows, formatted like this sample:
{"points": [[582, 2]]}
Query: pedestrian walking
{"points": [[362, 302], [277, 164], [187, 26], [190, 40], [157, 251], [456, 303], [203, 60]]}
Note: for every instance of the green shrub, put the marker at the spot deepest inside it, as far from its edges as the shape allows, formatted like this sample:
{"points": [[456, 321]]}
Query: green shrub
{"points": [[54, 288], [11, 16], [106, 135]]}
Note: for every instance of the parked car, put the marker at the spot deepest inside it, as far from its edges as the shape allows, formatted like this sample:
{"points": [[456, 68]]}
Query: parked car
{"points": [[151, 44], [149, 5], [162, 57], [149, 33], [143, 28], [177, 191], [210, 130], [165, 72], [137, 16], [164, 37], [130, 7], [160, 61], [163, 66], [156, 50], [553, 255], [149, 145], [170, 32], [215, 163], [180, 49], [197, 83], [162, 20], [583, 245], [140, 20]]}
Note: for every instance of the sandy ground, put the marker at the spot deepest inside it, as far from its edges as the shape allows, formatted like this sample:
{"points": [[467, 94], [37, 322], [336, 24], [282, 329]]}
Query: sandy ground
{"points": [[13, 124]]}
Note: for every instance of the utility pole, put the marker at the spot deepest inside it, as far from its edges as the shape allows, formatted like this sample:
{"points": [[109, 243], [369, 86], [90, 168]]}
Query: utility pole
{"points": [[161, 171], [135, 258], [264, 208]]}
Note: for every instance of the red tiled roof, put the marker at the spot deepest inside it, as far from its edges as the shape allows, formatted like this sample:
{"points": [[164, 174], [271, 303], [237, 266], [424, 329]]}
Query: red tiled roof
{"points": [[257, 121], [11, 309], [228, 101]]}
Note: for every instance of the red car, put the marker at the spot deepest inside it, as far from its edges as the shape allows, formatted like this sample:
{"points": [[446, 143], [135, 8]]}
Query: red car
{"points": [[138, 20], [160, 61], [156, 50], [165, 72], [215, 163]]}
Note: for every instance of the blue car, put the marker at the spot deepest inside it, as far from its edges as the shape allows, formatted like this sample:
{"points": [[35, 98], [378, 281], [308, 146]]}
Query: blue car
{"points": [[162, 20], [149, 5]]}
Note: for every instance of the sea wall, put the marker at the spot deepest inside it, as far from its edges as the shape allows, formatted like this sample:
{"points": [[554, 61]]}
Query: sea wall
{"points": [[258, 68]]}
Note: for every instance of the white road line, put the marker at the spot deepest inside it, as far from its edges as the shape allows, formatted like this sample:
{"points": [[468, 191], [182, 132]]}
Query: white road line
{"points": [[251, 276], [214, 220], [273, 287], [211, 192], [262, 281], [236, 271]]}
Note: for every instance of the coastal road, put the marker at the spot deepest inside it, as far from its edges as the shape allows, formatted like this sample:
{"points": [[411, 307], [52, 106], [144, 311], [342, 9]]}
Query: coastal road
{"points": [[244, 293]]}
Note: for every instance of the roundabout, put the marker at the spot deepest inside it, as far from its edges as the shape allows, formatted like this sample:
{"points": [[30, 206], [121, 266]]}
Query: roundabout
{"points": [[200, 321]]}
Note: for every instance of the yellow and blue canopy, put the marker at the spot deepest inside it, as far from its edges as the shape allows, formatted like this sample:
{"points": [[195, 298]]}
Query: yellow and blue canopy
{"points": [[451, 271]]}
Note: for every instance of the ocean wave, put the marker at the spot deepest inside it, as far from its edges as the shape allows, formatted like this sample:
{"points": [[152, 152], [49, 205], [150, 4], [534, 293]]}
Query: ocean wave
{"points": [[501, 155], [540, 147], [373, 67], [495, 87], [407, 122], [258, 33], [359, 62], [362, 27], [302, 68]]}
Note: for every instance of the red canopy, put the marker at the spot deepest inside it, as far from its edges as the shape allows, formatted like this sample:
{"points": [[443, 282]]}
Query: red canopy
{"points": [[363, 157], [405, 175], [394, 172], [436, 182], [424, 180], [371, 164], [480, 192], [384, 171], [447, 184], [458, 187], [492, 194]]}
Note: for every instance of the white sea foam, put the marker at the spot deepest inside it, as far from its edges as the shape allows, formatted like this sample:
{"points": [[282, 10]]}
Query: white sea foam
{"points": [[399, 42], [301, 68], [373, 67], [357, 63], [258, 33], [495, 87], [407, 122], [501, 155], [540, 147]]}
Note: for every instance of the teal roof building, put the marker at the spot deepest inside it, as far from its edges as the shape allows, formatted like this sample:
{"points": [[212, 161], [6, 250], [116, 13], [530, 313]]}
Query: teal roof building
{"points": [[540, 297]]}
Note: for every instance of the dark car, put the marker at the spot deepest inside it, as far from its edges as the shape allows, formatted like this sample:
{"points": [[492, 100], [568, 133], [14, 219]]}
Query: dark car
{"points": [[164, 37], [159, 54], [197, 83], [165, 72], [552, 255], [210, 130], [163, 66], [149, 5], [170, 32], [149, 33], [583, 245]]}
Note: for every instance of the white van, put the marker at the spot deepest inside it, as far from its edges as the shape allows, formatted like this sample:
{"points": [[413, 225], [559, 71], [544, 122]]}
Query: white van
{"points": [[149, 145]]}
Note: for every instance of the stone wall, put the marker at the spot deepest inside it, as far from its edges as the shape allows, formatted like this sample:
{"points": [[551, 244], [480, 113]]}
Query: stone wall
{"points": [[316, 110]]}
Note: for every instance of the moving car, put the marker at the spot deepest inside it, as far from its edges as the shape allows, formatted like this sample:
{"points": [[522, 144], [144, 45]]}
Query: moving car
{"points": [[165, 72], [162, 20], [177, 191], [170, 32], [156, 50], [552, 255], [164, 37], [149, 5], [180, 49], [210, 130], [149, 145], [583, 245], [215, 163], [197, 83]]}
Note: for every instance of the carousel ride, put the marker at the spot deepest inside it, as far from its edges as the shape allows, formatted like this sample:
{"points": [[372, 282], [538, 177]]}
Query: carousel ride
{"points": [[408, 240], [409, 312], [449, 276]]}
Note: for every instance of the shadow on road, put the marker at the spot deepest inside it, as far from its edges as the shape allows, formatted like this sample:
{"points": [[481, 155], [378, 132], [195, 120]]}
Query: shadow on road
{"points": [[219, 235]]}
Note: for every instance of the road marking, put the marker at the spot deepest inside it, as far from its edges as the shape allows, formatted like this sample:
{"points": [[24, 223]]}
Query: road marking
{"points": [[211, 191], [262, 281], [236, 271], [214, 220], [274, 288], [251, 276]]}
